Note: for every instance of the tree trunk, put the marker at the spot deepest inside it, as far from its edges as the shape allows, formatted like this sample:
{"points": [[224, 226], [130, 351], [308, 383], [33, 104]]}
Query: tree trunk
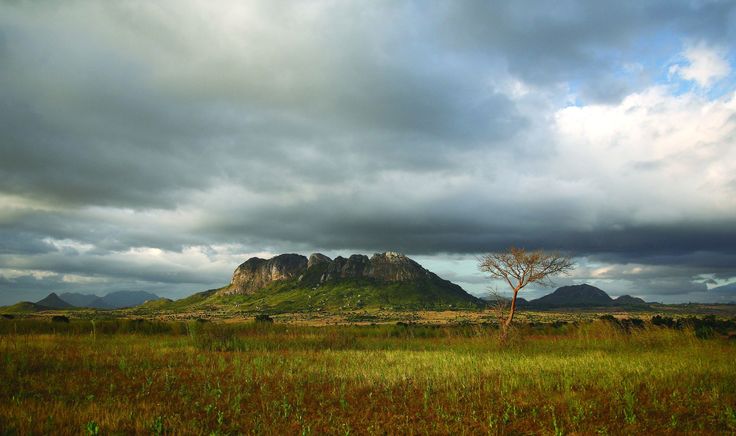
{"points": [[507, 323]]}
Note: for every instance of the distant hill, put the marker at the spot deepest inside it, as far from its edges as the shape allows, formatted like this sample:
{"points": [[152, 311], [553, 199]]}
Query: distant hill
{"points": [[79, 300], [628, 300], [581, 296], [574, 296], [160, 303], [121, 299], [113, 300], [53, 301]]}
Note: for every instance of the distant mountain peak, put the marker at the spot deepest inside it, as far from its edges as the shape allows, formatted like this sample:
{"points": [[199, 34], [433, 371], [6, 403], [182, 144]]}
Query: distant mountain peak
{"points": [[54, 302]]}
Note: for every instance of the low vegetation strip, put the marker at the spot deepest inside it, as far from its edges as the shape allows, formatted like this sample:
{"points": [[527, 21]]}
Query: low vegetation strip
{"points": [[203, 378]]}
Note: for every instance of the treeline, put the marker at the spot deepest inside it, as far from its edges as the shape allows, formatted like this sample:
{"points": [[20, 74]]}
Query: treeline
{"points": [[704, 327]]}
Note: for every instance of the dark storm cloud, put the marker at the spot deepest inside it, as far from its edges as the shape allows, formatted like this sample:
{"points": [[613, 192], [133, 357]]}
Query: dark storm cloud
{"points": [[76, 114], [338, 127], [21, 243], [91, 266]]}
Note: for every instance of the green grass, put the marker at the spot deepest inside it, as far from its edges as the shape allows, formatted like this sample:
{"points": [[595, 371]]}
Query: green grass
{"points": [[126, 376]]}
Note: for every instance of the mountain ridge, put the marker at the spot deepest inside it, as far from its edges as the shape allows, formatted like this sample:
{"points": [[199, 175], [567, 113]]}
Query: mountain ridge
{"points": [[256, 273], [112, 300]]}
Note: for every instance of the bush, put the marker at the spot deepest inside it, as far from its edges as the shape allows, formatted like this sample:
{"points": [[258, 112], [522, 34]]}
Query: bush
{"points": [[60, 318], [263, 318], [704, 332], [663, 321]]}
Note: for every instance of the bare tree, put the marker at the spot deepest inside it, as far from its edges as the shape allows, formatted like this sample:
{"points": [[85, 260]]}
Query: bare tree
{"points": [[518, 268], [499, 305]]}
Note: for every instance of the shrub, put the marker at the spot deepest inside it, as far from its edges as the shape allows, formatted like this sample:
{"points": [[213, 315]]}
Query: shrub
{"points": [[704, 332], [663, 321], [263, 318], [60, 318]]}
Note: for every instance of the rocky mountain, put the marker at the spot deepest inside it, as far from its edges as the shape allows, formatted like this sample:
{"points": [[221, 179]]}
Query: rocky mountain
{"points": [[295, 282], [52, 301], [256, 273]]}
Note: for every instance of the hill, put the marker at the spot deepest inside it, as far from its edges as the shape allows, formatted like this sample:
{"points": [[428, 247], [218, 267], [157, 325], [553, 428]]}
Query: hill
{"points": [[294, 283], [53, 301], [628, 300], [23, 307], [160, 303], [122, 299], [84, 300], [574, 296], [113, 300], [582, 296]]}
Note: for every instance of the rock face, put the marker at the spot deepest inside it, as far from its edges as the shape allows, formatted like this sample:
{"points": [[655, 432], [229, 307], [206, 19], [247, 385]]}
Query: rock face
{"points": [[395, 267], [257, 273], [355, 266], [317, 259]]}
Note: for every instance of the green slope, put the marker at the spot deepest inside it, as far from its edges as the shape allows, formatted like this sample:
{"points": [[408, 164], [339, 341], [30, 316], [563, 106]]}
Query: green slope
{"points": [[199, 301], [350, 294], [161, 303], [23, 307]]}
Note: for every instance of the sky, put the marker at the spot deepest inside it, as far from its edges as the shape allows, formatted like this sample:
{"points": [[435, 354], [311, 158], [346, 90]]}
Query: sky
{"points": [[157, 145]]}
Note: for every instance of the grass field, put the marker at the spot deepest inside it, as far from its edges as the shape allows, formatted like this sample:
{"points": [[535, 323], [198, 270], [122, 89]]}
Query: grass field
{"points": [[127, 376]]}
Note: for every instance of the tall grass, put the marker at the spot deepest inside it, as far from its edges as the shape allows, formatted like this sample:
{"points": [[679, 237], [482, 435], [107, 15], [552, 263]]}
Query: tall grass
{"points": [[204, 378]]}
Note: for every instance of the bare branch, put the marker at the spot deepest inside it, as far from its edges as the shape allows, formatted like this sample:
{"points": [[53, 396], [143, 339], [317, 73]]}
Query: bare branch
{"points": [[519, 268]]}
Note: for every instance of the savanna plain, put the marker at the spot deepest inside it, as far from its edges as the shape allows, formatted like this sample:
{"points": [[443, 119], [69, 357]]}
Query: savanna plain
{"points": [[592, 376]]}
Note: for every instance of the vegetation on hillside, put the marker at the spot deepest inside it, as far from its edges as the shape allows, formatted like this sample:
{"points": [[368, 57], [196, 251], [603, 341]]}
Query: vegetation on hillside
{"points": [[294, 295]]}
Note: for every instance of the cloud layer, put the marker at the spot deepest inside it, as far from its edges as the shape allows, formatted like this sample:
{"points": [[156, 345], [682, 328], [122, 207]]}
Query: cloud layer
{"points": [[155, 146]]}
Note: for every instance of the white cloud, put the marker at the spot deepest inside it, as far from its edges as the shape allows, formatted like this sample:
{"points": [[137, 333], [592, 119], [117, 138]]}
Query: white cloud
{"points": [[705, 65], [655, 157]]}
